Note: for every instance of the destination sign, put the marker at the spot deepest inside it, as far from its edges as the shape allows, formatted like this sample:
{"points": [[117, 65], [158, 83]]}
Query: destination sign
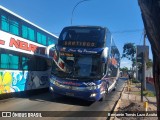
{"points": [[79, 43]]}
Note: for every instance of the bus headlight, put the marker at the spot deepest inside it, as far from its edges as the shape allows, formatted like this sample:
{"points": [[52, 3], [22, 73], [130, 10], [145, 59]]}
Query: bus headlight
{"points": [[93, 95], [94, 87]]}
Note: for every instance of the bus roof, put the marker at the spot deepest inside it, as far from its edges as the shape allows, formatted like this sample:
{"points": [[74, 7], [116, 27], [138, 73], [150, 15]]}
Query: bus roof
{"points": [[86, 26], [5, 9]]}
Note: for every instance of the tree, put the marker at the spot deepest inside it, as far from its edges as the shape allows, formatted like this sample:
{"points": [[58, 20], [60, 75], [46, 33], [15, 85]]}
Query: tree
{"points": [[124, 69], [129, 51], [149, 63], [151, 16]]}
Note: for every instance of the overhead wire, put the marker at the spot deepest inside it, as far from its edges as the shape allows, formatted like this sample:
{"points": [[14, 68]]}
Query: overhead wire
{"points": [[126, 31]]}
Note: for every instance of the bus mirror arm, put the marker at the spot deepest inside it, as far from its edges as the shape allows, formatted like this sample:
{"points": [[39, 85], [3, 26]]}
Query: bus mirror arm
{"points": [[55, 46]]}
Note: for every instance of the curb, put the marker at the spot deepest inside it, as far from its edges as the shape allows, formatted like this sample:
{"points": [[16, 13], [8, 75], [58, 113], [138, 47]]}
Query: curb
{"points": [[117, 104]]}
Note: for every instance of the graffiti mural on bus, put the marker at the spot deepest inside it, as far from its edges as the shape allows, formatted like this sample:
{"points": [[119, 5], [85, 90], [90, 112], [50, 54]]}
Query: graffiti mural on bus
{"points": [[17, 81], [12, 81], [5, 82]]}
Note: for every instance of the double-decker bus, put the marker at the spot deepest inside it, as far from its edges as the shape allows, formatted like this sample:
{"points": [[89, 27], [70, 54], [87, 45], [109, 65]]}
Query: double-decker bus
{"points": [[86, 63], [24, 64]]}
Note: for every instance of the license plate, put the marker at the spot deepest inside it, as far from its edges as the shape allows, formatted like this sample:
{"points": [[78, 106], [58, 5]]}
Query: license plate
{"points": [[70, 94]]}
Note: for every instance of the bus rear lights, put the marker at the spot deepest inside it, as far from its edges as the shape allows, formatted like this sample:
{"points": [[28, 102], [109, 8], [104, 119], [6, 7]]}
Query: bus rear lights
{"points": [[93, 95]]}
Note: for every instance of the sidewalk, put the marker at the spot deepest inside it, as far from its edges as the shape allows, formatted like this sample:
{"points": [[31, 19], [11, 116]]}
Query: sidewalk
{"points": [[132, 94], [131, 101]]}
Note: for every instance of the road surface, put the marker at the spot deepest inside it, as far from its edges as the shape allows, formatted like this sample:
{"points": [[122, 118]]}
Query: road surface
{"points": [[46, 102]]}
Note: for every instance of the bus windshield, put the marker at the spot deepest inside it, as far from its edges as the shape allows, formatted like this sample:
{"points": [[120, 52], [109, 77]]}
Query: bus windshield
{"points": [[80, 67], [82, 36]]}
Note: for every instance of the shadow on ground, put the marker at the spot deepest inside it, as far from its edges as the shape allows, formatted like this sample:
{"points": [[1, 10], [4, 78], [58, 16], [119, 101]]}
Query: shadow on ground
{"points": [[60, 99]]}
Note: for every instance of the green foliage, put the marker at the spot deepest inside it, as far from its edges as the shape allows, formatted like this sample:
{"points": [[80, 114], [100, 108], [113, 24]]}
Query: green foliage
{"points": [[148, 93], [124, 69], [135, 81], [129, 51], [149, 63]]}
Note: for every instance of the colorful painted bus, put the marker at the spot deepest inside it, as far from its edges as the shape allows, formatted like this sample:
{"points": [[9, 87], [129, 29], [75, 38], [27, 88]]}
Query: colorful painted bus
{"points": [[86, 63], [24, 64]]}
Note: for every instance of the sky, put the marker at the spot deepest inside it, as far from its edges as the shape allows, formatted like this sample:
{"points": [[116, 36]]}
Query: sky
{"points": [[121, 17]]}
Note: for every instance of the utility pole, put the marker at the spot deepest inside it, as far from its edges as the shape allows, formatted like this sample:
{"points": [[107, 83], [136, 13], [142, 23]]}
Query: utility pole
{"points": [[144, 62], [136, 65], [141, 86]]}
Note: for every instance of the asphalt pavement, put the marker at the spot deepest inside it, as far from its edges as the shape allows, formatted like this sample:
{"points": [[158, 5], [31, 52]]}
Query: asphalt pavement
{"points": [[61, 106]]}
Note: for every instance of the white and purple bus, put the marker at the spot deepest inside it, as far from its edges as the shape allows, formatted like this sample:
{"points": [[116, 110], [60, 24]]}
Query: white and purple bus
{"points": [[24, 64], [86, 63]]}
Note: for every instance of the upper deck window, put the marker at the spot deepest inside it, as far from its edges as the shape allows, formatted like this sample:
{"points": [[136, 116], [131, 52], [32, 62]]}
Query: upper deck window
{"points": [[28, 33], [42, 39], [5, 23], [16, 26], [9, 25], [51, 41], [82, 36]]}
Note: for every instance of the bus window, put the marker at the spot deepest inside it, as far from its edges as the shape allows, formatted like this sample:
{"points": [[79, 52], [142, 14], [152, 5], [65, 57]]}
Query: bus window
{"points": [[42, 39], [14, 27], [5, 23], [28, 33], [9, 61], [9, 25], [70, 36], [25, 63]]}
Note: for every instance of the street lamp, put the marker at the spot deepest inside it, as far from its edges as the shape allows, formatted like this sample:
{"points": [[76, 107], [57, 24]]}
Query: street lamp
{"points": [[75, 8]]}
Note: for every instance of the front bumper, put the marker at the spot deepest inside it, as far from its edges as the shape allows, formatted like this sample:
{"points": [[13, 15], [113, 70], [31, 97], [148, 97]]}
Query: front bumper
{"points": [[89, 95]]}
